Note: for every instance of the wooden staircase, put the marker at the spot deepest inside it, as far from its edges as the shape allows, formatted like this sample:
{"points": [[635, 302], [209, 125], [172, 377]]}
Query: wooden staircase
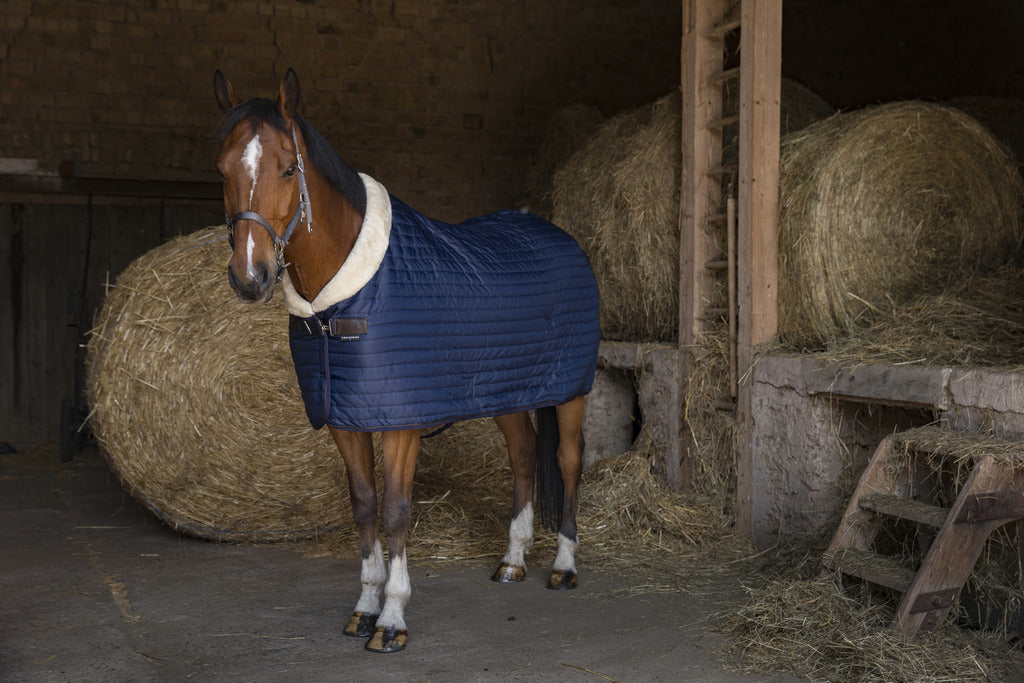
{"points": [[900, 483]]}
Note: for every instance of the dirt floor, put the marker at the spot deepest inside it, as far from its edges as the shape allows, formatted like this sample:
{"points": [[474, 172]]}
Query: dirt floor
{"points": [[93, 587]]}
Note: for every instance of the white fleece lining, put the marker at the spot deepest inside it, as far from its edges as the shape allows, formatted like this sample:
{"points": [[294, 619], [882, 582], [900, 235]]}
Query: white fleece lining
{"points": [[362, 262]]}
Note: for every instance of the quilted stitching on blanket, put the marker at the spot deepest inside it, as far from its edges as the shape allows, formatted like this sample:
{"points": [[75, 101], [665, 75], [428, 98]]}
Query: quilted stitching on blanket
{"points": [[494, 315]]}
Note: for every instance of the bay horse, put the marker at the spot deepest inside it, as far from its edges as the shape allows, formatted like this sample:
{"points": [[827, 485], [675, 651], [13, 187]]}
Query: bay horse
{"points": [[400, 323]]}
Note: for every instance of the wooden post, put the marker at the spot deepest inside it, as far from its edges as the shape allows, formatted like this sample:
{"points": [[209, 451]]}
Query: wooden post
{"points": [[700, 193], [758, 202]]}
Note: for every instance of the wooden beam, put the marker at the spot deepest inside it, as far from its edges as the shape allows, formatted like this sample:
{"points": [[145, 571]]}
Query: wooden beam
{"points": [[757, 211], [110, 187], [700, 192]]}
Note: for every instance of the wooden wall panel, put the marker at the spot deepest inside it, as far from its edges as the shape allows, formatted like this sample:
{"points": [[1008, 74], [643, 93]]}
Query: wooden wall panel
{"points": [[56, 259]]}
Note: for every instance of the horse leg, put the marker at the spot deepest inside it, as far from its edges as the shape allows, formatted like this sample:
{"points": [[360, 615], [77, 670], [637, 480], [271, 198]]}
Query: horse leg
{"points": [[521, 440], [400, 451], [570, 462], [356, 450]]}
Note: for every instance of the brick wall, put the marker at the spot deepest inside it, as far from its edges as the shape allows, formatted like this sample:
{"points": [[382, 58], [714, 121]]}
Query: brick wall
{"points": [[444, 101]]}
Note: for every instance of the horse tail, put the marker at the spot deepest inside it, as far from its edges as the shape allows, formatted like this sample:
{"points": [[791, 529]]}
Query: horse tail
{"points": [[550, 488]]}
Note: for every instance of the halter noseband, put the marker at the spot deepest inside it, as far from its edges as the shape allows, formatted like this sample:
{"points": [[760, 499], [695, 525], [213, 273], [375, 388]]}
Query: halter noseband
{"points": [[302, 211]]}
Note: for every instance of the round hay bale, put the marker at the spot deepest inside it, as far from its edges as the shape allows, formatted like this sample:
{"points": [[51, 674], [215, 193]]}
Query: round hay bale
{"points": [[1003, 116], [619, 197], [195, 405], [882, 204], [568, 130]]}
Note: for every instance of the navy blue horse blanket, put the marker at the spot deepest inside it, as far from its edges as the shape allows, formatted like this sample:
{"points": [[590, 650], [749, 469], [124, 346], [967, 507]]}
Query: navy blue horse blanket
{"points": [[428, 323]]}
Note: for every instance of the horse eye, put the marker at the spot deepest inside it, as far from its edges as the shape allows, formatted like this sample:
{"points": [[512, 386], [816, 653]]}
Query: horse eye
{"points": [[290, 172]]}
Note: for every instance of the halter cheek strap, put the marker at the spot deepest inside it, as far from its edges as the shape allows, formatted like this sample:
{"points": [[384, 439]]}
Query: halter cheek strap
{"points": [[302, 211]]}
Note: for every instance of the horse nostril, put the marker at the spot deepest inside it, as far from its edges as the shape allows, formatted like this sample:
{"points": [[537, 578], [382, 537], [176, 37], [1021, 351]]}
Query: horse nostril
{"points": [[232, 278], [265, 276]]}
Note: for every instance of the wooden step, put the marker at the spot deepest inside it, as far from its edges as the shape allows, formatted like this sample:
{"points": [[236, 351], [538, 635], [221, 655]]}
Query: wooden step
{"points": [[878, 569], [959, 445], [904, 508]]}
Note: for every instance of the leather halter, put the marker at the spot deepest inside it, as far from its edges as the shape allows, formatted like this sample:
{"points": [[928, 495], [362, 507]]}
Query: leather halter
{"points": [[302, 211]]}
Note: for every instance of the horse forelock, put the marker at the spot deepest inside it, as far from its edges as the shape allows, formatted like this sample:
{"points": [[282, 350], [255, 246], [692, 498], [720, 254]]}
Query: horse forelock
{"points": [[255, 111], [338, 173]]}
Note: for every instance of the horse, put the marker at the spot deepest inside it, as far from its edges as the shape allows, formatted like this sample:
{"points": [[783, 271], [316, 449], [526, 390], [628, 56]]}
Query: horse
{"points": [[399, 323]]}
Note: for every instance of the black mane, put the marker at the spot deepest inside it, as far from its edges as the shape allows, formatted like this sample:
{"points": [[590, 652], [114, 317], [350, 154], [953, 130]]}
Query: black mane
{"points": [[341, 177]]}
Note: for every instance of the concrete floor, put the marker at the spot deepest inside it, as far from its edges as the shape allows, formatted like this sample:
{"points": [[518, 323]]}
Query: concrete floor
{"points": [[94, 588]]}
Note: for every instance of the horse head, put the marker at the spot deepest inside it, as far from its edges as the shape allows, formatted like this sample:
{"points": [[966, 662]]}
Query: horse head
{"points": [[265, 194]]}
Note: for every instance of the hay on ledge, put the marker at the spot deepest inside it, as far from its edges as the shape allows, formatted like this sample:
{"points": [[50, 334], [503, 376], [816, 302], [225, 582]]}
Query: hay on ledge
{"points": [[884, 203]]}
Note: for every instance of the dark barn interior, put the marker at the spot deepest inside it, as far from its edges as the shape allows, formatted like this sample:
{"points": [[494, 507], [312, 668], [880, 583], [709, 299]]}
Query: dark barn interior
{"points": [[107, 147]]}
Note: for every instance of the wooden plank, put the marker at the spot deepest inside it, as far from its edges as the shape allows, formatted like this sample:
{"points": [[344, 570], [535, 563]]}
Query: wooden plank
{"points": [[857, 528], [57, 257], [19, 185], [904, 508], [10, 249], [956, 548], [757, 209], [878, 569], [990, 506], [700, 195]]}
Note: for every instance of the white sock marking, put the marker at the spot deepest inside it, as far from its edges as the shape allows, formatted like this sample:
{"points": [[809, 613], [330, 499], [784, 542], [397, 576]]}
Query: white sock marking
{"points": [[520, 537], [373, 575], [566, 558], [396, 595]]}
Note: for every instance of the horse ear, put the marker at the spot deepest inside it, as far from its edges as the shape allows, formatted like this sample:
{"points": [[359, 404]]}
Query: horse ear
{"points": [[225, 94], [288, 96]]}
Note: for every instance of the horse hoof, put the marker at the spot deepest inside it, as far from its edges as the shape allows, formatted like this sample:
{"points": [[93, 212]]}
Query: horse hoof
{"points": [[361, 625], [562, 580], [509, 573], [387, 639]]}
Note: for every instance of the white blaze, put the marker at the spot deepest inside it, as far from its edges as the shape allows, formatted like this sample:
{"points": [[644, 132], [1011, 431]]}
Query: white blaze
{"points": [[251, 159]]}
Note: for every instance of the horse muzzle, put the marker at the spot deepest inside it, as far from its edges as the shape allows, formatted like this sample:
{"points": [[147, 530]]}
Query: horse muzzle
{"points": [[260, 287]]}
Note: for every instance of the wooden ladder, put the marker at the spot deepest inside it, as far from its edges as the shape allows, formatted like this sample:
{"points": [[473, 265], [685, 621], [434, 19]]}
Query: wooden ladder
{"points": [[896, 478]]}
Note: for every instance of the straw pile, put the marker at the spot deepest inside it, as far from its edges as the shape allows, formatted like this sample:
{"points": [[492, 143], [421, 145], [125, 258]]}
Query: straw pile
{"points": [[195, 404], [619, 197], [829, 628], [884, 203], [978, 320], [628, 517], [813, 628]]}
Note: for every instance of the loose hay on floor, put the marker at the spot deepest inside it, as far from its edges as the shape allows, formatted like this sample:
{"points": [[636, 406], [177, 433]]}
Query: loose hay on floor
{"points": [[812, 628]]}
